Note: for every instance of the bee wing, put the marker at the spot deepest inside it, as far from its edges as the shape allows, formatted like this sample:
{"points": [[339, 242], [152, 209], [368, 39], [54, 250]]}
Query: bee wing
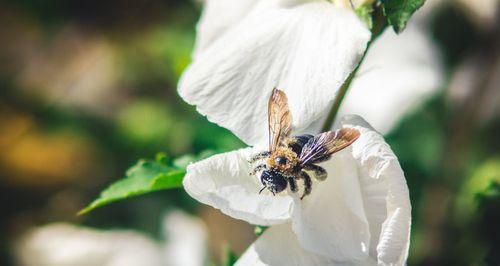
{"points": [[279, 119], [319, 148]]}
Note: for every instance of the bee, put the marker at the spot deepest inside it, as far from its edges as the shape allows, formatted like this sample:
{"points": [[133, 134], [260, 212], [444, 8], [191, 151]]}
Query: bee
{"points": [[293, 158]]}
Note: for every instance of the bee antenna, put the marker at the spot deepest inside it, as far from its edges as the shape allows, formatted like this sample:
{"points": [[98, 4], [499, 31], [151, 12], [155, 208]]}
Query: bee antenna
{"points": [[262, 189]]}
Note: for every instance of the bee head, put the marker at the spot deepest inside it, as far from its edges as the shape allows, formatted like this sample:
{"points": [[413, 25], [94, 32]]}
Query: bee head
{"points": [[273, 180]]}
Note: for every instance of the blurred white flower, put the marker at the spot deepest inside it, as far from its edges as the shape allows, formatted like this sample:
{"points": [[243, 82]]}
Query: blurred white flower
{"points": [[477, 75], [305, 49], [70, 245], [482, 13], [360, 215], [186, 240], [398, 74]]}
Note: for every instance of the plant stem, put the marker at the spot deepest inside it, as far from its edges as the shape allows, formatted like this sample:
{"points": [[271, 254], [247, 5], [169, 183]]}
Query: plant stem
{"points": [[378, 28], [340, 97]]}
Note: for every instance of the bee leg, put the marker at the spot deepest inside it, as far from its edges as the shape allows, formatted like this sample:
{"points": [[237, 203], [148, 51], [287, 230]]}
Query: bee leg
{"points": [[307, 184], [258, 168], [259, 156], [319, 172], [293, 183]]}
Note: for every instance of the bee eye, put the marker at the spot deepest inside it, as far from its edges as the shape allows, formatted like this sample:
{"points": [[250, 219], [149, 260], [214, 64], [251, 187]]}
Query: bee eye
{"points": [[280, 160]]}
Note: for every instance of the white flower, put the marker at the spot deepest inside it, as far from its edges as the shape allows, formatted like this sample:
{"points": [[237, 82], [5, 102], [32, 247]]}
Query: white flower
{"points": [[65, 244], [305, 49], [236, 55], [360, 215]]}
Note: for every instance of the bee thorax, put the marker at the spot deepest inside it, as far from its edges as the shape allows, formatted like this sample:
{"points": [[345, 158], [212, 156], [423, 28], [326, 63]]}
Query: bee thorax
{"points": [[283, 159]]}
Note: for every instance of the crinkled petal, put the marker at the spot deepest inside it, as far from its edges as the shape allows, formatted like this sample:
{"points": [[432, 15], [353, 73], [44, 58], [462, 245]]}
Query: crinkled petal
{"points": [[223, 182], [385, 194], [362, 209], [399, 73], [307, 51]]}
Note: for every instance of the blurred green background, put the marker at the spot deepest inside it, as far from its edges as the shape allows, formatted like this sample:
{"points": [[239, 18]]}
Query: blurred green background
{"points": [[88, 87]]}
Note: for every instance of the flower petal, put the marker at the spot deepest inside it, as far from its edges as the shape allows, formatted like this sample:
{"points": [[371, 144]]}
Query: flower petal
{"points": [[223, 181], [217, 17], [399, 73], [279, 246], [220, 15], [362, 209], [385, 194], [307, 51], [331, 220]]}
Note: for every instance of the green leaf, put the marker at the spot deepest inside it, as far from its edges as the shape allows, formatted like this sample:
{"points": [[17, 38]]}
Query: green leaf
{"points": [[398, 12], [185, 160], [492, 192], [144, 177], [482, 183]]}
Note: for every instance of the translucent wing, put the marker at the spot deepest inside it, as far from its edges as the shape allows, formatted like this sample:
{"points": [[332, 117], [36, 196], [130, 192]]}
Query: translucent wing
{"points": [[322, 146], [279, 118]]}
